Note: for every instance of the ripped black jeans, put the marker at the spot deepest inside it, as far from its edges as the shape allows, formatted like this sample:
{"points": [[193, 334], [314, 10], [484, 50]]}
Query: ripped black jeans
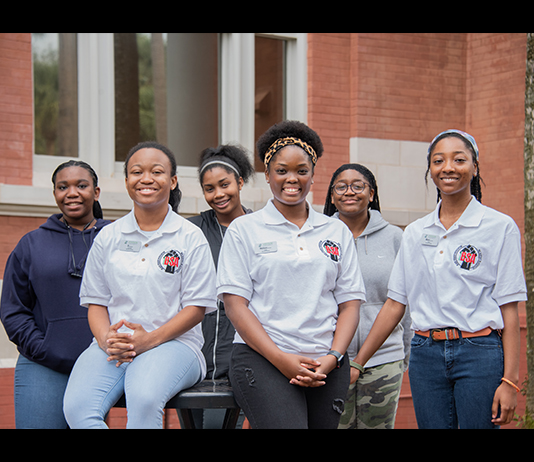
{"points": [[270, 401]]}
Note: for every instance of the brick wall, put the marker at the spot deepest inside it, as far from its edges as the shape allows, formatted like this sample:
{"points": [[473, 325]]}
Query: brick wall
{"points": [[16, 92], [385, 86], [13, 228], [7, 406], [382, 85], [16, 137], [329, 86], [413, 86], [410, 87], [495, 116]]}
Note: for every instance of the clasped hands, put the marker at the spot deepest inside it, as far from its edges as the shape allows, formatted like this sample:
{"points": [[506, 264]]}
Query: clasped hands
{"points": [[123, 347], [304, 371]]}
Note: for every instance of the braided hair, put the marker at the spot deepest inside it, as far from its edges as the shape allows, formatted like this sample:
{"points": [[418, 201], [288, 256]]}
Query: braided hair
{"points": [[476, 189], [330, 208]]}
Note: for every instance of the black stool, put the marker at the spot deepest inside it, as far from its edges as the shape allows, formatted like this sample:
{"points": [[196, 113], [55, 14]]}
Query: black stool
{"points": [[209, 394]]}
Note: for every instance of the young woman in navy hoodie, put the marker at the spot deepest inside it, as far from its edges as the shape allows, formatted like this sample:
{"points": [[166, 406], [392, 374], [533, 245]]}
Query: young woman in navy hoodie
{"points": [[40, 306]]}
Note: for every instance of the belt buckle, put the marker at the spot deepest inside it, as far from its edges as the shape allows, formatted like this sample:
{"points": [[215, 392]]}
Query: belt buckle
{"points": [[451, 333], [434, 331]]}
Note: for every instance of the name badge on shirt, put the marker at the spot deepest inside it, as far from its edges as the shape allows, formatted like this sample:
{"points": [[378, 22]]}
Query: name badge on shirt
{"points": [[130, 246], [266, 247], [430, 239]]}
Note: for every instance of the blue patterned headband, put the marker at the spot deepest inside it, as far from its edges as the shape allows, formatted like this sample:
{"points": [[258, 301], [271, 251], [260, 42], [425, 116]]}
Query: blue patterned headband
{"points": [[465, 136]]}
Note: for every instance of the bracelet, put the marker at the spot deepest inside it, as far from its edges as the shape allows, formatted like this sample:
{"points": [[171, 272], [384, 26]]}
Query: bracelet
{"points": [[356, 366], [509, 382]]}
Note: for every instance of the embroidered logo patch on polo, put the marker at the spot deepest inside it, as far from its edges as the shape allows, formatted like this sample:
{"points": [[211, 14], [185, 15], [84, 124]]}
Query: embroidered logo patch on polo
{"points": [[170, 261], [467, 257], [331, 249]]}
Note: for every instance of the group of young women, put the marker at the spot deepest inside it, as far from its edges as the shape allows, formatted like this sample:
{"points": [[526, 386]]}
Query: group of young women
{"points": [[305, 312]]}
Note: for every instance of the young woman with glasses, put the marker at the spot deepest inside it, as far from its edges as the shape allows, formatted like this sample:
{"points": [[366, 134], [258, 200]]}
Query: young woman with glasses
{"points": [[352, 197]]}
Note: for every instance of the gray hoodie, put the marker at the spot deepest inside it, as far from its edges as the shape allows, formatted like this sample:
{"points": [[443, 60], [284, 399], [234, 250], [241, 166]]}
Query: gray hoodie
{"points": [[377, 249]]}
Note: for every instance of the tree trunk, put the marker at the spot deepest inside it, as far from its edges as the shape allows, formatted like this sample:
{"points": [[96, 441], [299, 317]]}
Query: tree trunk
{"points": [[67, 125], [127, 124], [529, 222], [160, 87]]}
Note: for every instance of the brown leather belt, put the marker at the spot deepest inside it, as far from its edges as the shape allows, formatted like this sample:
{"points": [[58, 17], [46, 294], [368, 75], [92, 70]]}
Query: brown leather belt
{"points": [[451, 333]]}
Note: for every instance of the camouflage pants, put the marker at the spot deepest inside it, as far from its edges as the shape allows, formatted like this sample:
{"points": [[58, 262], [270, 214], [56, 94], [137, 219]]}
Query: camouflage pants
{"points": [[372, 401]]}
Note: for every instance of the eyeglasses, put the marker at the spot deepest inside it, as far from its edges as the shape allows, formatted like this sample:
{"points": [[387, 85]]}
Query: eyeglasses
{"points": [[356, 187]]}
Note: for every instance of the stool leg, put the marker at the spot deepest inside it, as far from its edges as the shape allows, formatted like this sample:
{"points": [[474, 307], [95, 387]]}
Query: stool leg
{"points": [[230, 418], [186, 418]]}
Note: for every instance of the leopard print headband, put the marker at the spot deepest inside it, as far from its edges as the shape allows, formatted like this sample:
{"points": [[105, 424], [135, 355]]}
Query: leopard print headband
{"points": [[283, 142]]}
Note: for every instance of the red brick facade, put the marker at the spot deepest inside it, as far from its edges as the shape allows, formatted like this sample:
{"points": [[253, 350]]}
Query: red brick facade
{"points": [[411, 87], [399, 86], [16, 109], [329, 102]]}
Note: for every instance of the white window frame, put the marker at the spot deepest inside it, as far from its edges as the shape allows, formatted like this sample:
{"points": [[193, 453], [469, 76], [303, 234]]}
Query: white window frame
{"points": [[96, 116], [237, 83]]}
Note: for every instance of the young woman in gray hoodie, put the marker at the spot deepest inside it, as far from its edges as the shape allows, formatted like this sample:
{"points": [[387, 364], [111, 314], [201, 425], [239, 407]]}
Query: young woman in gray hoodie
{"points": [[353, 198]]}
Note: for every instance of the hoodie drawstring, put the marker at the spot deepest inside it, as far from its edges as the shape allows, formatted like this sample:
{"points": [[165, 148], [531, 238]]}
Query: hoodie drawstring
{"points": [[365, 240]]}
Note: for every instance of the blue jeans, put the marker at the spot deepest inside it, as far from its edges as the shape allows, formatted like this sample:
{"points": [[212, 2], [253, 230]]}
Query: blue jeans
{"points": [[148, 382], [38, 396], [453, 382]]}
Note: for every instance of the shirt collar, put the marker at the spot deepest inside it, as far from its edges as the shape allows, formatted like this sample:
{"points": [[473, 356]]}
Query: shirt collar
{"points": [[170, 224], [471, 217], [272, 216]]}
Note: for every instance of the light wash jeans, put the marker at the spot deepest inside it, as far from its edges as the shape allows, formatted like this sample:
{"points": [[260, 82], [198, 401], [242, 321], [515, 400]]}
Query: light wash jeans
{"points": [[453, 381], [39, 396], [148, 382]]}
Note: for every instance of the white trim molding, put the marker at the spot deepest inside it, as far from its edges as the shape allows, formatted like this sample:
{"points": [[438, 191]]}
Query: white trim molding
{"points": [[399, 168]]}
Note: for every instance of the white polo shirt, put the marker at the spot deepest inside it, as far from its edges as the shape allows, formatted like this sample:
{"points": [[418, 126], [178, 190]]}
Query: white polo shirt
{"points": [[294, 279], [461, 276], [147, 278]]}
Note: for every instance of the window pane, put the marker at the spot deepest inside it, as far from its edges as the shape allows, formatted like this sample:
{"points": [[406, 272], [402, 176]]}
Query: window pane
{"points": [[166, 89], [269, 86], [55, 81], [140, 90], [193, 99]]}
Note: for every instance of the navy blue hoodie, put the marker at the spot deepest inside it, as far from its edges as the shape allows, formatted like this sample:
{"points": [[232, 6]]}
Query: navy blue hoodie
{"points": [[40, 305]]}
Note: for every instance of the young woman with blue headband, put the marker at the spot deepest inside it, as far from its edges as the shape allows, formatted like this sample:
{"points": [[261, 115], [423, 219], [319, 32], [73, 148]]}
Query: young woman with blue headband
{"points": [[460, 271], [222, 173]]}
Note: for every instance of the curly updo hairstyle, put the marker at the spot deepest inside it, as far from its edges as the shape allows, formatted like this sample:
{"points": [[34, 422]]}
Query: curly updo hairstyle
{"points": [[233, 158], [289, 128]]}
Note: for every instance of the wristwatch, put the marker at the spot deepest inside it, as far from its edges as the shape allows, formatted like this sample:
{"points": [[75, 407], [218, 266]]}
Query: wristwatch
{"points": [[337, 355]]}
